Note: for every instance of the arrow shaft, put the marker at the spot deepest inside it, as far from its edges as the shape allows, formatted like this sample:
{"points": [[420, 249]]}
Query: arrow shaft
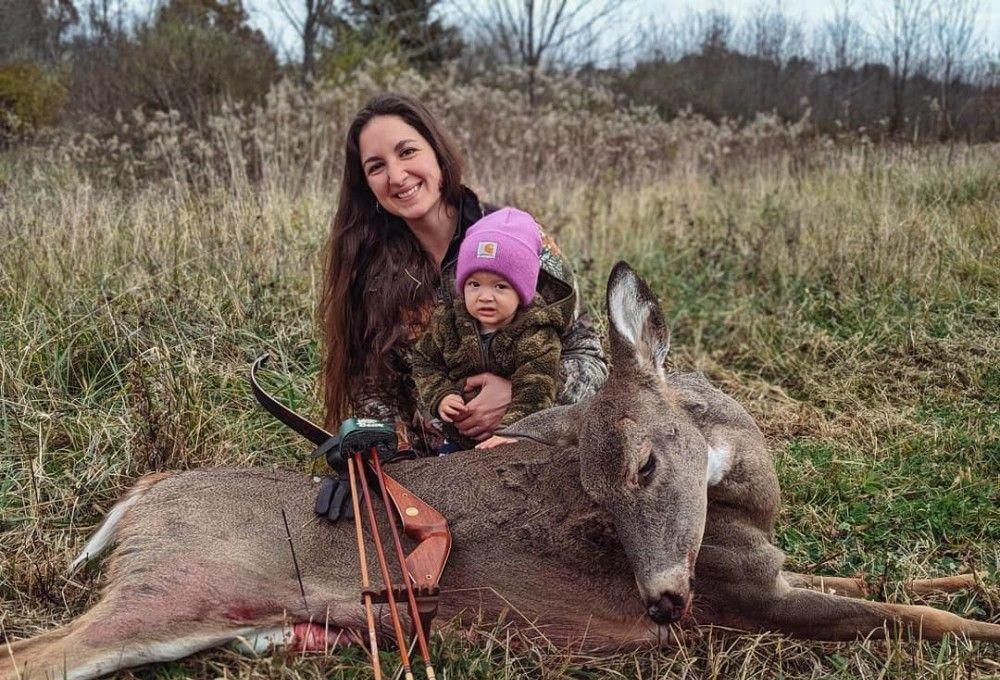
{"points": [[384, 567], [365, 582]]}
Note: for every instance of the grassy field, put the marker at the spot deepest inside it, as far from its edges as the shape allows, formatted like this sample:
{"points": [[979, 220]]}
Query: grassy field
{"points": [[851, 303]]}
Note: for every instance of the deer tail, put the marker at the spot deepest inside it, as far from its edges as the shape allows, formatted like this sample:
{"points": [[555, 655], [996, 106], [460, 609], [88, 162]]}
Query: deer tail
{"points": [[105, 534]]}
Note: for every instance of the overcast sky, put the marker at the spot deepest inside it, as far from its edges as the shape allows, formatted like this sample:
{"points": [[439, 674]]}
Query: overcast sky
{"points": [[812, 13]]}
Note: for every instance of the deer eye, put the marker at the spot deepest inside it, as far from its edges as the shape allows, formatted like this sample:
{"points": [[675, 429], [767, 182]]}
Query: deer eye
{"points": [[646, 471]]}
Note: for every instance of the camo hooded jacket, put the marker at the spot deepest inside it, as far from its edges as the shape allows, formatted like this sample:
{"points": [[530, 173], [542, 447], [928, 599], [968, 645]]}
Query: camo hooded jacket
{"points": [[526, 352], [582, 366]]}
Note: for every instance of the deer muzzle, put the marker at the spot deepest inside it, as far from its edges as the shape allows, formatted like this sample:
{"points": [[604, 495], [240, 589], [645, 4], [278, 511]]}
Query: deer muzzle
{"points": [[670, 608], [668, 597]]}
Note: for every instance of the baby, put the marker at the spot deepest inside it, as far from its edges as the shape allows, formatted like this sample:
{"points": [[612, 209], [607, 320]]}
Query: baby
{"points": [[495, 324]]}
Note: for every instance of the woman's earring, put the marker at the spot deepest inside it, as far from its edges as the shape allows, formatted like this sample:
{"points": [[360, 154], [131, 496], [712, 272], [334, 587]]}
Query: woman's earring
{"points": [[378, 206]]}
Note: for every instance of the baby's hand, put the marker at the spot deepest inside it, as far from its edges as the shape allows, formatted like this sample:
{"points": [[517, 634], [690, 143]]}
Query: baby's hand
{"points": [[451, 406], [495, 440]]}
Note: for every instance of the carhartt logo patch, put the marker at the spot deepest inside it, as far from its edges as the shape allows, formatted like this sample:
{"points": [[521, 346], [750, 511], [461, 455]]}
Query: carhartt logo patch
{"points": [[487, 249]]}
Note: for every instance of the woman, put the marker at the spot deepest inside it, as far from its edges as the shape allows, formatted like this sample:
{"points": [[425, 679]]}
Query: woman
{"points": [[401, 216]]}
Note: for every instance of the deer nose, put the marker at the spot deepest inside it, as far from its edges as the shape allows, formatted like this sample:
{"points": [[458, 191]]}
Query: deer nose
{"points": [[668, 609]]}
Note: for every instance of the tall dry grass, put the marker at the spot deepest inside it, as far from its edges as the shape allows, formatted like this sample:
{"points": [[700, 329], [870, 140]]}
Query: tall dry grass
{"points": [[848, 295]]}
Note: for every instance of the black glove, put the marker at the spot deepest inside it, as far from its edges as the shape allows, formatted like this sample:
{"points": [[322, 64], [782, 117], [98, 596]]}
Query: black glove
{"points": [[334, 499]]}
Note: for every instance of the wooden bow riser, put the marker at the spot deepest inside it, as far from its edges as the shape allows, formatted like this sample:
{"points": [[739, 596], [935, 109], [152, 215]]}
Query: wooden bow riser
{"points": [[425, 563]]}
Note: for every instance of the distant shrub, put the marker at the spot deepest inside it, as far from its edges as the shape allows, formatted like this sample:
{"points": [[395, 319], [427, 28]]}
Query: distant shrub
{"points": [[188, 57], [30, 95], [188, 66], [351, 52]]}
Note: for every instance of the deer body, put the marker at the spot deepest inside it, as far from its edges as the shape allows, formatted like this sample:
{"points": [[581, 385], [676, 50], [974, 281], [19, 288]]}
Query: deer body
{"points": [[657, 478]]}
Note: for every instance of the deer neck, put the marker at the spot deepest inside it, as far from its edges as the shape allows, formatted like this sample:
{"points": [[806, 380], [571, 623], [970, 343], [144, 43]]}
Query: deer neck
{"points": [[526, 498]]}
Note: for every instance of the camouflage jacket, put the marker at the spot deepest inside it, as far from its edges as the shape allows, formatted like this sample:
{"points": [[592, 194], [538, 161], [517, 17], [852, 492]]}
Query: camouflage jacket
{"points": [[582, 366], [526, 352]]}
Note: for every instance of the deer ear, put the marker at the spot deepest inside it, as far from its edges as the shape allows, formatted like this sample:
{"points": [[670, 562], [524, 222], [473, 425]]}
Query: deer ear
{"points": [[556, 426], [637, 333]]}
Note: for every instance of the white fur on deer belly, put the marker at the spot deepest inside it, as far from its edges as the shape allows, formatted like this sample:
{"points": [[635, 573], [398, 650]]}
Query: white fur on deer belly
{"points": [[720, 459], [299, 637]]}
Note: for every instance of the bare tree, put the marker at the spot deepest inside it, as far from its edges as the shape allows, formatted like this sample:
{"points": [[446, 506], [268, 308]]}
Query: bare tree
{"points": [[658, 39], [105, 21], [904, 39], [954, 35], [35, 29], [306, 18], [672, 37], [844, 37], [772, 38], [770, 34], [840, 46], [714, 30], [531, 32]]}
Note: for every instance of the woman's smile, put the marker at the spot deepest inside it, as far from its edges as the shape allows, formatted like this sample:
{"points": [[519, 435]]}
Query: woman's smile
{"points": [[409, 192]]}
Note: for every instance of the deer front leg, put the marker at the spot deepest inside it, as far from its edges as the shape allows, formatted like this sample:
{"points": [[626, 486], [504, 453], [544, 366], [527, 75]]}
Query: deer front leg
{"points": [[821, 616], [834, 585], [859, 587]]}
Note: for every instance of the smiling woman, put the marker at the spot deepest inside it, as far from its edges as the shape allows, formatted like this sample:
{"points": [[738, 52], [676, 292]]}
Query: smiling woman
{"points": [[401, 218], [405, 177]]}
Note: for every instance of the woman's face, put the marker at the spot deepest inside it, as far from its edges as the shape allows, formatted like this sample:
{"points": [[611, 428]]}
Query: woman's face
{"points": [[401, 167]]}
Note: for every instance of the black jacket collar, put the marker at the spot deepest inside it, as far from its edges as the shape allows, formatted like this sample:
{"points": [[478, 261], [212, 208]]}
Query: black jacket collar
{"points": [[470, 211]]}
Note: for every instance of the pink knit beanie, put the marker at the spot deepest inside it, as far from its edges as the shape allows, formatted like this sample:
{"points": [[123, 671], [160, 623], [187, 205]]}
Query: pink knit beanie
{"points": [[506, 242]]}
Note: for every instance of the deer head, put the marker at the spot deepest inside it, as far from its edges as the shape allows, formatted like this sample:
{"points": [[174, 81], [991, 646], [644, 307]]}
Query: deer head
{"points": [[642, 456]]}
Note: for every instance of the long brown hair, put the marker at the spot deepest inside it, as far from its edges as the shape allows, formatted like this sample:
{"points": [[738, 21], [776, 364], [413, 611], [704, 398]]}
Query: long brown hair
{"points": [[376, 274]]}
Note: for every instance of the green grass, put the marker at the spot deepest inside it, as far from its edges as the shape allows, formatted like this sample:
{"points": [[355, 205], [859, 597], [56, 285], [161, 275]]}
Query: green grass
{"points": [[852, 308]]}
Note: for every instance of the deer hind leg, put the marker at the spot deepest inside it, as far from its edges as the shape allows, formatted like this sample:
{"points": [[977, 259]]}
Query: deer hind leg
{"points": [[859, 587], [821, 616], [104, 640], [111, 637], [14, 656]]}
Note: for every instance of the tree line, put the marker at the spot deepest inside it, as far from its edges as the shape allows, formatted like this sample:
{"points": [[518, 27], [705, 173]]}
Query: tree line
{"points": [[905, 68], [911, 69]]}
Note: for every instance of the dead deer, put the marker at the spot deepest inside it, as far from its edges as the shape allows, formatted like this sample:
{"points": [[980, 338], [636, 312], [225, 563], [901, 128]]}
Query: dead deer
{"points": [[589, 531]]}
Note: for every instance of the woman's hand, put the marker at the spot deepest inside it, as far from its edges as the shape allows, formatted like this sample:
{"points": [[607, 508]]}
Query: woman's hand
{"points": [[483, 414]]}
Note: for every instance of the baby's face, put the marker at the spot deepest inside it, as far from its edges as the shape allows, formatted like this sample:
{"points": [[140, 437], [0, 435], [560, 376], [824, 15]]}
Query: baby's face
{"points": [[490, 299]]}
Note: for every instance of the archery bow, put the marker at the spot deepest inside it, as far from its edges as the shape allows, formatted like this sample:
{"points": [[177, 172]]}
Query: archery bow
{"points": [[423, 567]]}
